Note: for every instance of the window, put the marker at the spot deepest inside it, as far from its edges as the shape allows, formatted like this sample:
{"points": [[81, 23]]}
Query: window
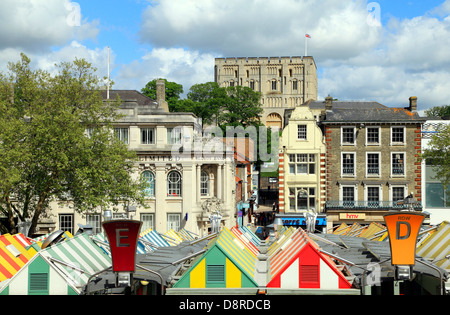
{"points": [[295, 85], [302, 198], [348, 164], [121, 134], [373, 164], [148, 179], [274, 85], [398, 193], [66, 222], [174, 184], [373, 135], [397, 135], [373, 196], [148, 221], [436, 194], [173, 221], [204, 184], [348, 135], [348, 196], [174, 135], [252, 84], [301, 132], [147, 135], [95, 221], [302, 164], [398, 164]]}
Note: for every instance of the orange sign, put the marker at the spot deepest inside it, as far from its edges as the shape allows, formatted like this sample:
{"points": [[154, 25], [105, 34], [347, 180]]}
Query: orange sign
{"points": [[403, 228]]}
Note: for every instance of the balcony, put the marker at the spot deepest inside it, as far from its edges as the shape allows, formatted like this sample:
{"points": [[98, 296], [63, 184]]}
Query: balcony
{"points": [[370, 205]]}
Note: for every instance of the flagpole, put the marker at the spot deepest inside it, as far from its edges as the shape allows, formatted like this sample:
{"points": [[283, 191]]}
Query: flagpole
{"points": [[306, 46]]}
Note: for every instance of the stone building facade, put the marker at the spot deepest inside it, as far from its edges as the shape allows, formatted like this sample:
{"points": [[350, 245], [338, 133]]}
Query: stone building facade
{"points": [[284, 82], [372, 159], [189, 176]]}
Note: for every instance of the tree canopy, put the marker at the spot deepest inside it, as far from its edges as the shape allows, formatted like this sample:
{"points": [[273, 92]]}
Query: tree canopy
{"points": [[438, 111], [173, 92], [57, 144]]}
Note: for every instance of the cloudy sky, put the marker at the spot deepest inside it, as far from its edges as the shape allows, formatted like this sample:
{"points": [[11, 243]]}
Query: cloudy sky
{"points": [[384, 50]]}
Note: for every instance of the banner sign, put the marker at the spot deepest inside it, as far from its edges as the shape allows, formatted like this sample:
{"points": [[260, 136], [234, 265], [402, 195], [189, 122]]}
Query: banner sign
{"points": [[403, 229], [123, 236]]}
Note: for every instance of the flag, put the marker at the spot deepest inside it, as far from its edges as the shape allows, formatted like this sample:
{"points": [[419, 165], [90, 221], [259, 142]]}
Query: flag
{"points": [[308, 36]]}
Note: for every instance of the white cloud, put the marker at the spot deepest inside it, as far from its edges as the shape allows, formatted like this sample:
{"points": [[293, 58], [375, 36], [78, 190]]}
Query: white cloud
{"points": [[174, 64], [235, 28], [36, 25]]}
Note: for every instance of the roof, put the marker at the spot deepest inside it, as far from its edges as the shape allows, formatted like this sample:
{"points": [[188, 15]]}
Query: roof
{"points": [[436, 246], [376, 114], [15, 252], [129, 96], [77, 259]]}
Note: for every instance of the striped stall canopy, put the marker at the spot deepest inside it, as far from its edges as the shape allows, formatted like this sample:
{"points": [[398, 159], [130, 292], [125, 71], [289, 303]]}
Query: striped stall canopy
{"points": [[375, 231], [250, 235], [172, 237], [284, 237], [40, 239], [77, 259], [437, 246], [15, 252], [244, 240], [186, 235], [237, 251], [289, 248], [153, 239]]}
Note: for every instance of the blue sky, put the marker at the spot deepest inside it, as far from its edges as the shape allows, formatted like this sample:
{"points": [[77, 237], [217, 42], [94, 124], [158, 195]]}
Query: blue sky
{"points": [[402, 51]]}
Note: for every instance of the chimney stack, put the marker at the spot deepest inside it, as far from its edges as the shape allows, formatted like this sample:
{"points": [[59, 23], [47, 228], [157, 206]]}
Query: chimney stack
{"points": [[328, 103], [413, 104], [161, 95]]}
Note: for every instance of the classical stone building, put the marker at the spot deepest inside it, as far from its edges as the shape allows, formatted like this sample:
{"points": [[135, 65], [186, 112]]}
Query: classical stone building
{"points": [[372, 158], [190, 177], [284, 82]]}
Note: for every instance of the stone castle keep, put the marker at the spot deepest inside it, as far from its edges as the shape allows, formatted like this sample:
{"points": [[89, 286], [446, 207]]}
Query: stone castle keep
{"points": [[284, 82]]}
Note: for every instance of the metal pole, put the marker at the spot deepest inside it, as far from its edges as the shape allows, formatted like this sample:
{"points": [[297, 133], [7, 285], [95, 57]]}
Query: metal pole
{"points": [[155, 273]]}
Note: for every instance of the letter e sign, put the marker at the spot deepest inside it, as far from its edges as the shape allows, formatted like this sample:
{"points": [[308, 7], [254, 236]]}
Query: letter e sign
{"points": [[123, 236], [403, 229]]}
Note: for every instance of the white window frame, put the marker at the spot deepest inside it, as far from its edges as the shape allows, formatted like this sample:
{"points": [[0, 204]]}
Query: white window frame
{"points": [[63, 218], [300, 133], [151, 182], [123, 134], [148, 221], [94, 220], [368, 174], [342, 136], [174, 189], [310, 159], [174, 135], [391, 192], [354, 164], [148, 135], [392, 134], [173, 221], [366, 192], [204, 183], [392, 164], [367, 136], [341, 193]]}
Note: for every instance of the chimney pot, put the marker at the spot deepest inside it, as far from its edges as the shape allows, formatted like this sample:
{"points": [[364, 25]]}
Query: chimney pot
{"points": [[328, 103]]}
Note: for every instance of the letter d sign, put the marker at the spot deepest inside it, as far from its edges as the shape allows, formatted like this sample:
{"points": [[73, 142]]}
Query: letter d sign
{"points": [[403, 228]]}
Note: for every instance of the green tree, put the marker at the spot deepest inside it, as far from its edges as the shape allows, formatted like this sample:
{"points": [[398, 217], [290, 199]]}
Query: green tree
{"points": [[242, 108], [438, 111], [173, 92], [47, 156]]}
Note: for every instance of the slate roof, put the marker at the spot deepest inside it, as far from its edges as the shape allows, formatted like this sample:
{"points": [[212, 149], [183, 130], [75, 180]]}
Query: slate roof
{"points": [[360, 111], [130, 96]]}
